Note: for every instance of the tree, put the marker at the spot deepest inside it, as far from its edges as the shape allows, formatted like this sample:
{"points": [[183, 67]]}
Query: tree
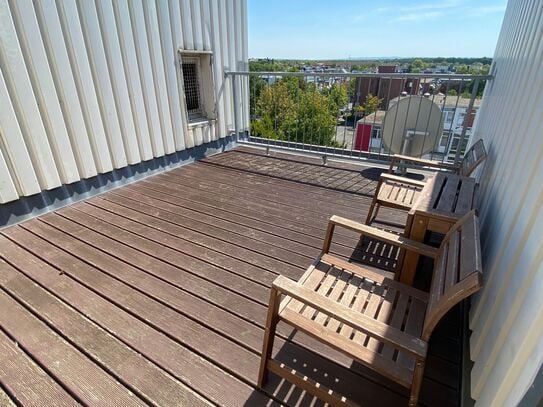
{"points": [[295, 110], [276, 111], [371, 104], [256, 84], [337, 95], [417, 64]]}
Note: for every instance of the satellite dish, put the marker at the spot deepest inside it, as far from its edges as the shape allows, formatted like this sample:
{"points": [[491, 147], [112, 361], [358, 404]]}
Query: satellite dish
{"points": [[411, 126]]}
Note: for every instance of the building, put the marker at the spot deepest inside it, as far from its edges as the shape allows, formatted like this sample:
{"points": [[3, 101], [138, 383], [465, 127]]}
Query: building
{"points": [[368, 132], [110, 86], [383, 87], [454, 108]]}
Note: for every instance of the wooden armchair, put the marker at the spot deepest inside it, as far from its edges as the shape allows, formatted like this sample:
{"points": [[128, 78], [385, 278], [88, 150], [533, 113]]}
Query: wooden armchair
{"points": [[372, 318], [401, 193]]}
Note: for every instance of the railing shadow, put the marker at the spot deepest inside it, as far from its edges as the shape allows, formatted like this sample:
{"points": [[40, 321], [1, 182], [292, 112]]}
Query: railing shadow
{"points": [[360, 181]]}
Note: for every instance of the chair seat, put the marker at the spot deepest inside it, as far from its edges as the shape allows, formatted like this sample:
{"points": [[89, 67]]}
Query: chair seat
{"points": [[397, 194], [371, 292]]}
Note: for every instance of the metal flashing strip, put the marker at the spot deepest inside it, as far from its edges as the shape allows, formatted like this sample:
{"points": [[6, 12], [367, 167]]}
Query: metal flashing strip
{"points": [[29, 207]]}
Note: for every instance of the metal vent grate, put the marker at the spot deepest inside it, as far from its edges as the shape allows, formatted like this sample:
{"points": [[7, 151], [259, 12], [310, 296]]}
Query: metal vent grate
{"points": [[191, 81]]}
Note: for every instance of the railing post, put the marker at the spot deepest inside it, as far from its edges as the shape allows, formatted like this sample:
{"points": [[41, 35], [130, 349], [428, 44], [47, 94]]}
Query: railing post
{"points": [[474, 91], [235, 102]]}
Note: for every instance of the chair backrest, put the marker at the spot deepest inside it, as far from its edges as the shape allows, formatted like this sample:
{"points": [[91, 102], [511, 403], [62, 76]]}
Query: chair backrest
{"points": [[473, 157], [457, 271]]}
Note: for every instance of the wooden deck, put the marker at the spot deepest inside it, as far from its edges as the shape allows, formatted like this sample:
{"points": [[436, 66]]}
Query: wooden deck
{"points": [[156, 292]]}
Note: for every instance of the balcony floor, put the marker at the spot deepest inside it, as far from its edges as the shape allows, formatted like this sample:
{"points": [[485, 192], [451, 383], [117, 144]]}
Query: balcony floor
{"points": [[156, 292]]}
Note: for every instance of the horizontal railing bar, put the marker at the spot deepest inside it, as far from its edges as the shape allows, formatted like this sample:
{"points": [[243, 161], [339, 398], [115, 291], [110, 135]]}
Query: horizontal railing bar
{"points": [[363, 75], [346, 156]]}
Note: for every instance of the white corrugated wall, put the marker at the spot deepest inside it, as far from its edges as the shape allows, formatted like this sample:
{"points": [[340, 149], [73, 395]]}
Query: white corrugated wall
{"points": [[91, 86], [507, 316]]}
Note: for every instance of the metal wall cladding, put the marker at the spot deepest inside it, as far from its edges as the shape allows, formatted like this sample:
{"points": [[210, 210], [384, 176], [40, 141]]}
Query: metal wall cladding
{"points": [[90, 86], [507, 316]]}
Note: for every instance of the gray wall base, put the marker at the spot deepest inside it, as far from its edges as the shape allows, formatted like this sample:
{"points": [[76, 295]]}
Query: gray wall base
{"points": [[46, 201]]}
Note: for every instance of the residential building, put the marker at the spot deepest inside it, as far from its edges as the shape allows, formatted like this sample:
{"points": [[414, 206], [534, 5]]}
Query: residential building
{"points": [[454, 108], [386, 88]]}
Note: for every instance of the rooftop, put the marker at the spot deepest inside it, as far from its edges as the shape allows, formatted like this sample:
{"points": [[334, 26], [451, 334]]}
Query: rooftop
{"points": [[156, 292]]}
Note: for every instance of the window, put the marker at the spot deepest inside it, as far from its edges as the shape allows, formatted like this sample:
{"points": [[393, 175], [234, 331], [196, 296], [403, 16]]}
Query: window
{"points": [[191, 83], [376, 133], [444, 141], [448, 116], [197, 79]]}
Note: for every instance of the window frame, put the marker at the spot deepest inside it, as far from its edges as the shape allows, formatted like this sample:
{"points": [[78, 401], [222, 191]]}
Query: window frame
{"points": [[205, 81]]}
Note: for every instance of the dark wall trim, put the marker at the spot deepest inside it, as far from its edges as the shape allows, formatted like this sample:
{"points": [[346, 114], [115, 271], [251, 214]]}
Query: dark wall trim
{"points": [[534, 395], [46, 201], [467, 364]]}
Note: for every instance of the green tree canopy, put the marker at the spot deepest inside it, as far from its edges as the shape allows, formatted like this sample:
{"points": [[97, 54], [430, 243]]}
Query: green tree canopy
{"points": [[295, 110]]}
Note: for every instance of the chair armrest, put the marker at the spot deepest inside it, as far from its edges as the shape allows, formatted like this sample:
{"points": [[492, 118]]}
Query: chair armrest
{"points": [[421, 161], [402, 180], [400, 241], [377, 329]]}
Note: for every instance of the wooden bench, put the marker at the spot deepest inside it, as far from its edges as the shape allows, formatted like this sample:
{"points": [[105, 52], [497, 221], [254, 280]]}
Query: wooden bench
{"points": [[366, 314], [398, 192]]}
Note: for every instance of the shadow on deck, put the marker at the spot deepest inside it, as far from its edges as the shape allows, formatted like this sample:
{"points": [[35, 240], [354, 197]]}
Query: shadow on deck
{"points": [[156, 292]]}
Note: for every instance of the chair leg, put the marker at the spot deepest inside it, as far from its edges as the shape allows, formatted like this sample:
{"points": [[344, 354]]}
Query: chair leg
{"points": [[417, 381], [374, 205], [372, 213], [269, 336]]}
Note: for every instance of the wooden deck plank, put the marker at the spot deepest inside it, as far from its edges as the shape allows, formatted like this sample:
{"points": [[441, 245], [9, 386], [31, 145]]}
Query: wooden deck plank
{"points": [[28, 382], [176, 268], [173, 224], [239, 225], [178, 360], [278, 210], [84, 379], [229, 207], [277, 195], [142, 377]]}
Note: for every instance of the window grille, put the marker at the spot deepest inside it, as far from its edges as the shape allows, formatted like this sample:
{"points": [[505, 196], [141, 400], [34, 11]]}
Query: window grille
{"points": [[191, 80]]}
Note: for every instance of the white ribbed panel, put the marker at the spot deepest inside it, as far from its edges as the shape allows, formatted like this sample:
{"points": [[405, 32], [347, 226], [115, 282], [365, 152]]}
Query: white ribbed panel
{"points": [[89, 86], [507, 316]]}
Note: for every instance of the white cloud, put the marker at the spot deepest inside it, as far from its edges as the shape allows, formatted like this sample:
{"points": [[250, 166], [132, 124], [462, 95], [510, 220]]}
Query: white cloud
{"points": [[428, 15], [433, 6]]}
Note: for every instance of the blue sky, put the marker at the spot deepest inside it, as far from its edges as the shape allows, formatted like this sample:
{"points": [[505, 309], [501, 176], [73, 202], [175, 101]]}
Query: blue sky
{"points": [[320, 29]]}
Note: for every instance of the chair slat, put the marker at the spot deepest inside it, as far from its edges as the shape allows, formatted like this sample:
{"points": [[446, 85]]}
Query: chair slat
{"points": [[413, 326], [384, 315], [465, 197], [451, 271], [340, 285], [310, 281], [347, 299], [470, 260], [358, 304], [371, 310], [397, 320], [323, 289], [448, 196]]}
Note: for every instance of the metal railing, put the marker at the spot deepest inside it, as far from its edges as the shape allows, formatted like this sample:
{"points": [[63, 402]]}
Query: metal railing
{"points": [[353, 115]]}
